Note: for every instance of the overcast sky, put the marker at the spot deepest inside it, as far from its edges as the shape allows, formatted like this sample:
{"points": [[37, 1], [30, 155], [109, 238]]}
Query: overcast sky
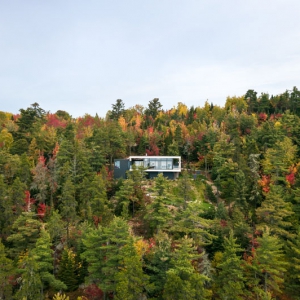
{"points": [[80, 56]]}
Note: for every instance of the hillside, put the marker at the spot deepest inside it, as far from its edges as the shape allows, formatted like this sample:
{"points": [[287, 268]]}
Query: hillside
{"points": [[228, 228]]}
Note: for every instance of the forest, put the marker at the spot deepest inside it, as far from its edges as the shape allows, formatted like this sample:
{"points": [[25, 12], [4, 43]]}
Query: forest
{"points": [[227, 228]]}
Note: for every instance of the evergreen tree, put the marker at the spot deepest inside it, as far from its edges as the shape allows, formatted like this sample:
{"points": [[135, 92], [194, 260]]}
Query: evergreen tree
{"points": [[31, 286], [117, 109], [55, 226], [269, 263], [67, 270], [158, 214], [25, 232], [17, 196], [229, 278], [43, 255], [93, 198], [68, 204], [24, 172], [6, 216], [157, 262], [111, 140], [6, 273], [154, 107], [187, 193], [274, 212], [292, 278], [123, 196], [182, 280], [103, 253], [131, 282], [190, 222], [279, 158]]}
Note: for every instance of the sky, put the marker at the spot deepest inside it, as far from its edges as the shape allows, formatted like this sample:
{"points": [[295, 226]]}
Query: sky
{"points": [[81, 56]]}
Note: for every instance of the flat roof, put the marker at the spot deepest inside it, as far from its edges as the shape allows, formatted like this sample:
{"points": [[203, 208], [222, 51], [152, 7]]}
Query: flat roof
{"points": [[148, 156]]}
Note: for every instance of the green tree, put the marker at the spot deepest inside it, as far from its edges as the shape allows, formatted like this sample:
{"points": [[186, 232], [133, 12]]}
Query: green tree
{"points": [[111, 140], [24, 172], [182, 280], [158, 215], [173, 149], [28, 117], [131, 282], [117, 109], [189, 222], [43, 255], [229, 278], [274, 213], [6, 272], [31, 285], [104, 253], [270, 263], [157, 263], [25, 232], [292, 276], [68, 205], [187, 193], [6, 216], [279, 158], [124, 196], [153, 108], [93, 198], [55, 226], [67, 270], [9, 166], [17, 195]]}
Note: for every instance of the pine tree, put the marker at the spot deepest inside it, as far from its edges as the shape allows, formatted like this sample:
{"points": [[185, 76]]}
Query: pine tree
{"points": [[24, 172], [103, 253], [31, 286], [6, 216], [279, 158], [6, 273], [117, 109], [190, 222], [158, 214], [43, 255], [229, 278], [68, 204], [131, 282], [55, 226], [186, 190], [17, 196], [270, 263], [183, 282], [67, 270], [157, 263], [274, 213], [124, 195], [26, 231], [292, 278]]}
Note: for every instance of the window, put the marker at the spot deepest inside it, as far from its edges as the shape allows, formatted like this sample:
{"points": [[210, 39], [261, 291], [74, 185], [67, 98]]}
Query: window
{"points": [[176, 163]]}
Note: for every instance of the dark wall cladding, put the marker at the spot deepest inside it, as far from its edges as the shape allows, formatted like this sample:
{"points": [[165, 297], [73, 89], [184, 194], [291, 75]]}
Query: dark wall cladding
{"points": [[121, 167], [169, 175]]}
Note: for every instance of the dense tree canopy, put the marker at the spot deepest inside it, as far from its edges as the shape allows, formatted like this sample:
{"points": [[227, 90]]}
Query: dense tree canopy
{"points": [[227, 228]]}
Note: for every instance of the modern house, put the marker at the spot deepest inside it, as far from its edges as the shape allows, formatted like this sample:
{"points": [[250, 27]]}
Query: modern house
{"points": [[169, 166]]}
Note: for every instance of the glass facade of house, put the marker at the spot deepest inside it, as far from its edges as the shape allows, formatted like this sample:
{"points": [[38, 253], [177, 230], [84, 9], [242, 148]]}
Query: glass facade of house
{"points": [[157, 163], [169, 166]]}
